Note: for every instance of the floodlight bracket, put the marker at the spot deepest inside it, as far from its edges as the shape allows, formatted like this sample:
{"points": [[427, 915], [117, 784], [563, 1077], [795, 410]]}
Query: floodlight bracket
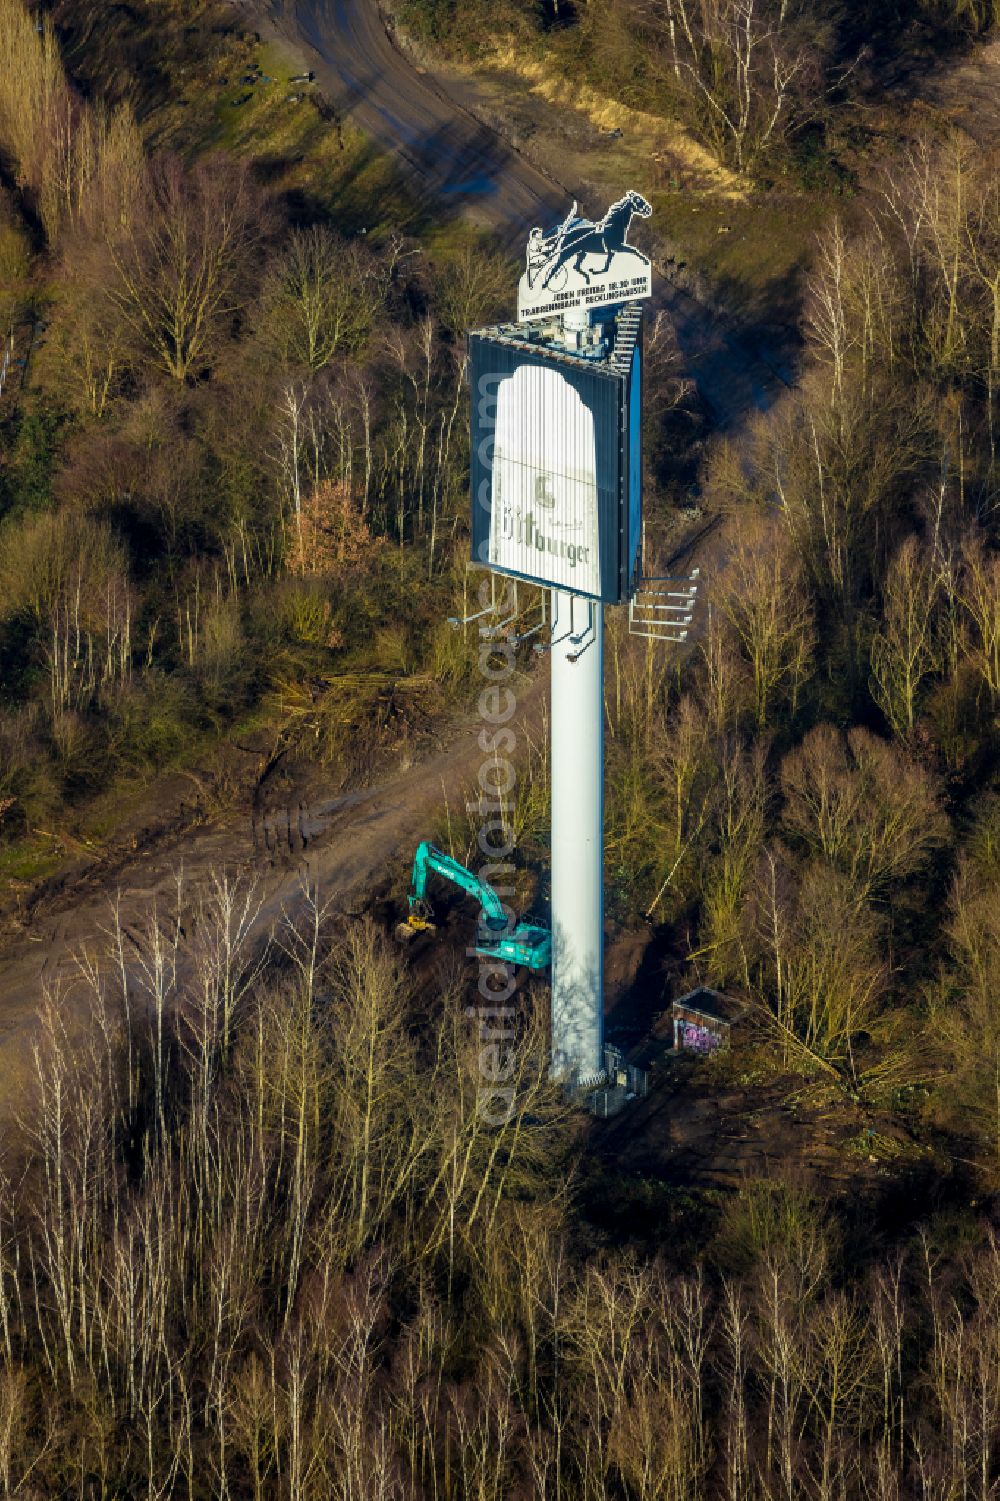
{"points": [[553, 625], [672, 578], [459, 622], [518, 640], [581, 638]]}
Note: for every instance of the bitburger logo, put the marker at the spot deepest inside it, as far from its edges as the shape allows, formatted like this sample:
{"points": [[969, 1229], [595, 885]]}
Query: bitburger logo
{"points": [[522, 528]]}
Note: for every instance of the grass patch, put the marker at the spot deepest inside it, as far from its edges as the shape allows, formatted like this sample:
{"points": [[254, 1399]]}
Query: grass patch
{"points": [[300, 146], [30, 860], [752, 251], [871, 1145], [257, 106]]}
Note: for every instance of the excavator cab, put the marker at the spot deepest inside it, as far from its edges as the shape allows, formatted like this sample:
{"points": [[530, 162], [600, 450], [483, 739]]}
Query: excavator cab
{"points": [[527, 945]]}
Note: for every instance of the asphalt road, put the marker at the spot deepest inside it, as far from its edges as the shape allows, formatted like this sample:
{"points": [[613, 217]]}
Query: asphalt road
{"points": [[450, 154], [454, 158]]}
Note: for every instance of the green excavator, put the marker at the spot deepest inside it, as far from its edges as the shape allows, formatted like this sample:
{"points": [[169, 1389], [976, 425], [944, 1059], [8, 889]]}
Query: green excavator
{"points": [[526, 945]]}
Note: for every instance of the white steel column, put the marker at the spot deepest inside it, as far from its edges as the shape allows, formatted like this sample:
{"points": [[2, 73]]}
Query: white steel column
{"points": [[577, 837]]}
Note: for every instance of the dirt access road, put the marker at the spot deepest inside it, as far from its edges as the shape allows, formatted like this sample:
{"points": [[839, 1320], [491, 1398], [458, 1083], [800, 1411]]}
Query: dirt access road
{"points": [[290, 841], [443, 147]]}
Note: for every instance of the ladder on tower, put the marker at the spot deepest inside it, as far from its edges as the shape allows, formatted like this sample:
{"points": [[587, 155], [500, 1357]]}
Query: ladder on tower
{"points": [[626, 333]]}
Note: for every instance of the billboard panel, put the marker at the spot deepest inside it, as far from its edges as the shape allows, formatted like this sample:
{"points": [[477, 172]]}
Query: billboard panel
{"points": [[544, 518], [556, 480]]}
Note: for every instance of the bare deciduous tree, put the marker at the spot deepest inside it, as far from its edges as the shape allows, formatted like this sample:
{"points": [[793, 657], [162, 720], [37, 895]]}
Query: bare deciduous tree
{"points": [[180, 264], [68, 575], [822, 973], [747, 70], [864, 804], [738, 829], [904, 648], [762, 593], [967, 1012], [979, 589], [322, 296], [472, 287]]}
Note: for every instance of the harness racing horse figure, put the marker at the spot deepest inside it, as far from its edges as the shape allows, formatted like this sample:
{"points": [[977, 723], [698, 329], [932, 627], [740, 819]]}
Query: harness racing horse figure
{"points": [[549, 256]]}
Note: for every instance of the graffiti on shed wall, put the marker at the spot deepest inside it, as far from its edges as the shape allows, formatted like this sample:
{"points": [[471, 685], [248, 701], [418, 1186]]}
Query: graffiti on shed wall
{"points": [[699, 1039]]}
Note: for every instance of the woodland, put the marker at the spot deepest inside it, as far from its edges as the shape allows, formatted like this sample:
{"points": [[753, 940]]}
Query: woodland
{"points": [[256, 1240]]}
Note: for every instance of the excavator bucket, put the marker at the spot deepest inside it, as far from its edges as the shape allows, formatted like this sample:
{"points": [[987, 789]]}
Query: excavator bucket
{"points": [[408, 930]]}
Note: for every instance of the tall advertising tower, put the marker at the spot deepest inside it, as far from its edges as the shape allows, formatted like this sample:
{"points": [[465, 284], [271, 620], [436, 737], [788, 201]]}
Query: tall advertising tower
{"points": [[557, 501]]}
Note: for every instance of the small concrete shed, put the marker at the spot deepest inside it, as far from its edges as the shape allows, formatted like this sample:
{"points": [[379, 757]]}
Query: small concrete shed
{"points": [[704, 1018]]}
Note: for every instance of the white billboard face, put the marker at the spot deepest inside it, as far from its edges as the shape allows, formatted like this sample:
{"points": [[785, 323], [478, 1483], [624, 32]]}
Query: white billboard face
{"points": [[544, 513], [585, 263]]}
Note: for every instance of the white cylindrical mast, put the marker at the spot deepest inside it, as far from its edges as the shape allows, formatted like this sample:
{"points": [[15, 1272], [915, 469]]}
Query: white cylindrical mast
{"points": [[577, 838]]}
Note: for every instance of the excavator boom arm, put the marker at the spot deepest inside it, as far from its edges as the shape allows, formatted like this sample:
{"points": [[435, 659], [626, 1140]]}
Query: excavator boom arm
{"points": [[428, 859]]}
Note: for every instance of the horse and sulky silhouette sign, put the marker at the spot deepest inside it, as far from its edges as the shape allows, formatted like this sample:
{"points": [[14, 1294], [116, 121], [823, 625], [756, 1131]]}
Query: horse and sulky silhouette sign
{"points": [[585, 263]]}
